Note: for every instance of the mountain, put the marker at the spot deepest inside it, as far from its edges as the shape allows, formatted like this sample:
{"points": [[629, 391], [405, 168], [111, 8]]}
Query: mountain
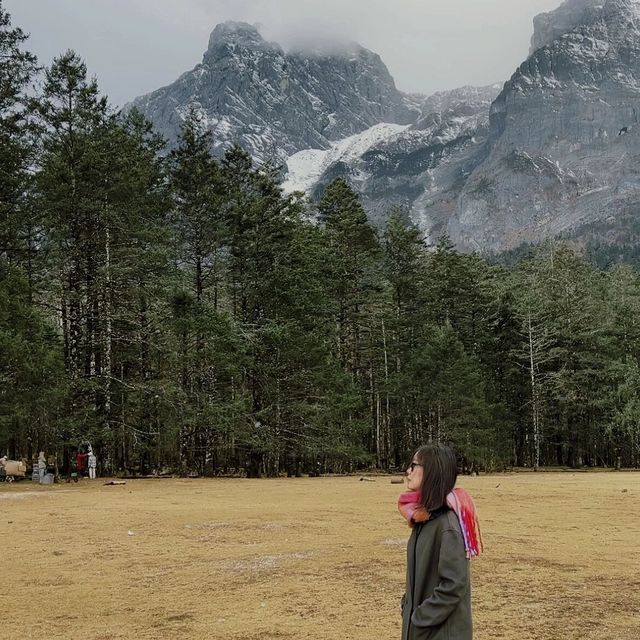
{"points": [[552, 153], [563, 146], [274, 103], [421, 167], [555, 151]]}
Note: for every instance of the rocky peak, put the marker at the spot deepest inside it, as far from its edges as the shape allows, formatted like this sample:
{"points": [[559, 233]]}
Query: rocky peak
{"points": [[231, 31], [571, 13], [583, 44], [460, 99], [560, 131], [576, 15], [621, 13], [343, 57], [237, 34]]}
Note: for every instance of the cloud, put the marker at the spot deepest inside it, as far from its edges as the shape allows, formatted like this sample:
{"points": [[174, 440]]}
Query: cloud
{"points": [[427, 44], [135, 46]]}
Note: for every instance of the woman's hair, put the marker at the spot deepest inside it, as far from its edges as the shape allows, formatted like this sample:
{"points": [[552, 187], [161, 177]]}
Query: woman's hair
{"points": [[439, 474]]}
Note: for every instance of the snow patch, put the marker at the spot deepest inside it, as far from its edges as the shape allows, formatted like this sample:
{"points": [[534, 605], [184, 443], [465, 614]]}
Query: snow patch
{"points": [[306, 167]]}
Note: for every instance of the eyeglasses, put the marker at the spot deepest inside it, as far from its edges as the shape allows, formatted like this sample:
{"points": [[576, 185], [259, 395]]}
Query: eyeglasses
{"points": [[413, 465]]}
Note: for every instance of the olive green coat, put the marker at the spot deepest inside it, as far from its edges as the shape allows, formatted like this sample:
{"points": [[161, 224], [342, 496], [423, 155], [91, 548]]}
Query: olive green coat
{"points": [[437, 603]]}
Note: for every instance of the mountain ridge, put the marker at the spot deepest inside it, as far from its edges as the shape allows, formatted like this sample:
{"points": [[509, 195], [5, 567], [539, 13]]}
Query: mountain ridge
{"points": [[275, 103], [553, 148]]}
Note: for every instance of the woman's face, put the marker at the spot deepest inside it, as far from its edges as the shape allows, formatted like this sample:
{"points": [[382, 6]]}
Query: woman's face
{"points": [[414, 475]]}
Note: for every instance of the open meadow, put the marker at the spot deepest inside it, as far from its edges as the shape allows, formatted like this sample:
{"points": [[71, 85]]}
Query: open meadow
{"points": [[310, 558]]}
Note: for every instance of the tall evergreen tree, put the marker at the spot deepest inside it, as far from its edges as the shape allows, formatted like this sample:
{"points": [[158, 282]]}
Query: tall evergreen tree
{"points": [[32, 382], [404, 271], [353, 249], [198, 197], [447, 388], [101, 192], [17, 68], [564, 353], [198, 224], [353, 270]]}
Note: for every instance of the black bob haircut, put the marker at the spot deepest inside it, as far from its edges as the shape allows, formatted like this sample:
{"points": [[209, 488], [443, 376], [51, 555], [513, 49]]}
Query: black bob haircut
{"points": [[439, 474]]}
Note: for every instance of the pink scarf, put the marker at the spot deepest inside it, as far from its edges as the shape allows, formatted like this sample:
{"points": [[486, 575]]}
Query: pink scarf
{"points": [[460, 502]]}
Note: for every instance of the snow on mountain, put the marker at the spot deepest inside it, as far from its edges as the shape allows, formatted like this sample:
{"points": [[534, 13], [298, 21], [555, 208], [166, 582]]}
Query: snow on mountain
{"points": [[420, 168], [306, 167]]}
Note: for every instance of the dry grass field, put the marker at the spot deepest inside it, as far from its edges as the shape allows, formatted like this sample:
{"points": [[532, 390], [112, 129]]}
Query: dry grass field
{"points": [[317, 559]]}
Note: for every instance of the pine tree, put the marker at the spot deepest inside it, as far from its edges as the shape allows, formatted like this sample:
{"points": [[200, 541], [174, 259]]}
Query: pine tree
{"points": [[17, 67], [506, 381], [353, 270], [353, 249], [404, 271], [102, 197], [562, 307], [32, 379], [133, 277], [447, 389], [620, 441], [198, 196], [198, 223], [456, 294]]}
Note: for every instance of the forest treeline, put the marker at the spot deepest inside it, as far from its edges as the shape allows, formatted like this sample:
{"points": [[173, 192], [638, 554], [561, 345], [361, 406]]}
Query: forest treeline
{"points": [[178, 311]]}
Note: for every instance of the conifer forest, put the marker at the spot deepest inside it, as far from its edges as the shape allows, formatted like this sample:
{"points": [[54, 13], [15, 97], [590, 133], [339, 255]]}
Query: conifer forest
{"points": [[180, 312]]}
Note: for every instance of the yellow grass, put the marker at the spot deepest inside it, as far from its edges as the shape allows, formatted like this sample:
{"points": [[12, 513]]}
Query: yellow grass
{"points": [[317, 559]]}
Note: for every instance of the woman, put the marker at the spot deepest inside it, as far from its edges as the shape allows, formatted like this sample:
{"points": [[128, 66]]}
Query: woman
{"points": [[437, 602]]}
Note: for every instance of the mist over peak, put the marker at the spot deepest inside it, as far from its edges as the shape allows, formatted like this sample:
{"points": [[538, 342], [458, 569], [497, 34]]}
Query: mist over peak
{"points": [[236, 32]]}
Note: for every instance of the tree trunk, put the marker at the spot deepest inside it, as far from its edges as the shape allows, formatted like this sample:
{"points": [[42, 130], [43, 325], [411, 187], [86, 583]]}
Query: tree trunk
{"points": [[534, 400], [107, 373]]}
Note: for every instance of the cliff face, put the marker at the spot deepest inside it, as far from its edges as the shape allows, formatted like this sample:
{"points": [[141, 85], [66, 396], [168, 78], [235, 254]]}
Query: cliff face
{"points": [[563, 145]]}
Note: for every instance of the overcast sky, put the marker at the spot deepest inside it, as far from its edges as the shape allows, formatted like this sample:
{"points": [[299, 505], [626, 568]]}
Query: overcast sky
{"points": [[136, 46]]}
